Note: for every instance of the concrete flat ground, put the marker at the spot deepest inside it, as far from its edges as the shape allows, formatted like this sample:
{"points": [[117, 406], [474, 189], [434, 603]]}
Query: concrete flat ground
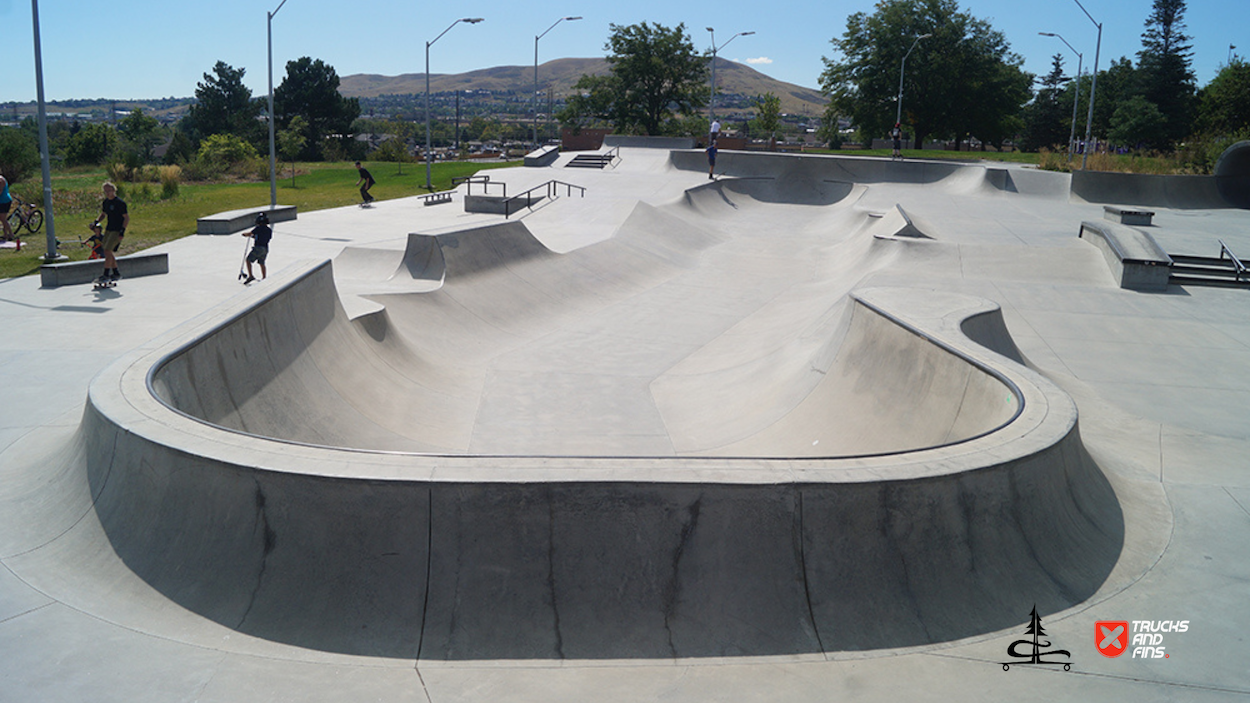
{"points": [[507, 430]]}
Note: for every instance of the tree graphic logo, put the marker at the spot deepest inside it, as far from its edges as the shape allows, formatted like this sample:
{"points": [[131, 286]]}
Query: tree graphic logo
{"points": [[1035, 649]]}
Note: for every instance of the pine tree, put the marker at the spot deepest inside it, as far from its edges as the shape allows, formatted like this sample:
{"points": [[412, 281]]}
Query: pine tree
{"points": [[1164, 63], [1046, 122]]}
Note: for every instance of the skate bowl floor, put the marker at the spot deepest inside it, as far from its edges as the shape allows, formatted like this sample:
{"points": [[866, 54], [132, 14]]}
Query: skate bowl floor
{"points": [[698, 437]]}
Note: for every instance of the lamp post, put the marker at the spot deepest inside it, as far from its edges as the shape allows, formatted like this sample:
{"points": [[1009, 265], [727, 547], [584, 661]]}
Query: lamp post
{"points": [[898, 117], [534, 97], [711, 104], [1076, 94], [51, 254], [428, 153], [1093, 86], [273, 173]]}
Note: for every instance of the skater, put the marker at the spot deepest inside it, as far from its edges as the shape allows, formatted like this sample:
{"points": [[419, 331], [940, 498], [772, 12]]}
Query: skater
{"points": [[116, 218], [714, 132], [897, 135], [711, 159], [260, 235], [367, 180]]}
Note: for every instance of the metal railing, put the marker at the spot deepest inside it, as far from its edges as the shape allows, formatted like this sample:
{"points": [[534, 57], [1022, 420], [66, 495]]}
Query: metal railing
{"points": [[484, 181], [549, 191], [1237, 265]]}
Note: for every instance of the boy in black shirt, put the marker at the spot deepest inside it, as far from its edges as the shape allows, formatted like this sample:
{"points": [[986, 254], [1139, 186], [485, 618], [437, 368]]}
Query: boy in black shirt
{"points": [[367, 180], [260, 246], [116, 217]]}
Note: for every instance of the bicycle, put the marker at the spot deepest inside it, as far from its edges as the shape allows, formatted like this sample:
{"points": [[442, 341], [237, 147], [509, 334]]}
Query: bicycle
{"points": [[26, 215]]}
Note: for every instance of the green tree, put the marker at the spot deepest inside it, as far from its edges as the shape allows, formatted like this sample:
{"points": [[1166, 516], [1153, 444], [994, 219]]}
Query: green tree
{"points": [[91, 145], [291, 142], [1224, 103], [224, 106], [140, 133], [767, 115], [311, 90], [1138, 123], [1166, 78], [1047, 122], [19, 154], [655, 76], [961, 80]]}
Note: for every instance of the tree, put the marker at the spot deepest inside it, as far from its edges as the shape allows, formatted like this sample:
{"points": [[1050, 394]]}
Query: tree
{"points": [[1047, 122], [19, 154], [1224, 104], [224, 106], [767, 114], [311, 90], [1137, 123], [140, 133], [655, 76], [91, 145], [1167, 80], [291, 142], [963, 79]]}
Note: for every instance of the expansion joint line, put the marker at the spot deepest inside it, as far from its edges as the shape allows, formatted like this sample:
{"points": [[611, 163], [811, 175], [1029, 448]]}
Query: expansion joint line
{"points": [[429, 566]]}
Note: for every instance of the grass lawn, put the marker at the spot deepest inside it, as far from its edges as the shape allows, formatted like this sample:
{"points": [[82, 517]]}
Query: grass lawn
{"points": [[153, 221]]}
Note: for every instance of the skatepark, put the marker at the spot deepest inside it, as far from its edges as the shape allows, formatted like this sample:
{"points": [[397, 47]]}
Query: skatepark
{"points": [[819, 426]]}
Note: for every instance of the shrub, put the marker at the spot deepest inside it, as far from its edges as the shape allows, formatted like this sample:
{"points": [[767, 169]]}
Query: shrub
{"points": [[19, 154]]}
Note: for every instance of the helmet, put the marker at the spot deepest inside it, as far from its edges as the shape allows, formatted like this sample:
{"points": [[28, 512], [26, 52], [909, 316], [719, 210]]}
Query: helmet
{"points": [[262, 219]]}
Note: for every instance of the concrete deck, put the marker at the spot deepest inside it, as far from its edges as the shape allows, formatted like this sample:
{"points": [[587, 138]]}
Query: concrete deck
{"points": [[823, 427]]}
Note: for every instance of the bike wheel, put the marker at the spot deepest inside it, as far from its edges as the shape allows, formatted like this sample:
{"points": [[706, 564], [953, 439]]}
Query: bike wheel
{"points": [[35, 221], [15, 223]]}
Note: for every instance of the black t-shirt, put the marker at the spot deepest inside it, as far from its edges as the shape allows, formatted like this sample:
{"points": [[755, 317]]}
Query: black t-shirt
{"points": [[364, 173], [114, 209], [261, 235]]}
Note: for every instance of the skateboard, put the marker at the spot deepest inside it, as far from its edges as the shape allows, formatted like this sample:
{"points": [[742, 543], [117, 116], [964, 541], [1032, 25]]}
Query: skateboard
{"points": [[102, 283], [366, 204]]}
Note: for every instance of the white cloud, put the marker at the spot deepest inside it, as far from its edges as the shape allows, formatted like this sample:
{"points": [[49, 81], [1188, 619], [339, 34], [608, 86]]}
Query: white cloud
{"points": [[762, 59]]}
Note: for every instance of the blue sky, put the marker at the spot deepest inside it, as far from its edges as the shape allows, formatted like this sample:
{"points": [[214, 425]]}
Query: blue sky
{"points": [[149, 49]]}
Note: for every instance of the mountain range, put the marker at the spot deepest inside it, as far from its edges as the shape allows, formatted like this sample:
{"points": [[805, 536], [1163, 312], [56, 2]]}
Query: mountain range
{"points": [[732, 78]]}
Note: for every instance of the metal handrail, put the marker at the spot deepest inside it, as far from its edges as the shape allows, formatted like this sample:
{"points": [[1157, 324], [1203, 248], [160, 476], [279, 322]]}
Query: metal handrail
{"points": [[615, 153], [550, 188], [485, 182], [1237, 265]]}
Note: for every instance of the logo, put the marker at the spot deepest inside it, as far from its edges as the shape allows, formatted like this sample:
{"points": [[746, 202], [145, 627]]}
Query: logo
{"points": [[1037, 645], [1111, 637]]}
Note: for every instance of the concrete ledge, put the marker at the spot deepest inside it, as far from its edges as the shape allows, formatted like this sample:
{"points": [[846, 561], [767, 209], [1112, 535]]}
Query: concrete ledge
{"points": [[648, 142], [239, 220], [542, 156], [492, 204], [1180, 192], [1126, 216], [1135, 259], [132, 266]]}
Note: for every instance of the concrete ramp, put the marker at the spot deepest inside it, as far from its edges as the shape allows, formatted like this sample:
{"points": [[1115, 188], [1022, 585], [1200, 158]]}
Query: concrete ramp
{"points": [[894, 222], [440, 557]]}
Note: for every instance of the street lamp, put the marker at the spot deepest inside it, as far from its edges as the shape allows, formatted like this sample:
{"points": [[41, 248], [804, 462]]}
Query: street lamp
{"points": [[273, 173], [1089, 121], [535, 96], [428, 153], [1076, 94], [711, 105], [898, 117], [51, 255]]}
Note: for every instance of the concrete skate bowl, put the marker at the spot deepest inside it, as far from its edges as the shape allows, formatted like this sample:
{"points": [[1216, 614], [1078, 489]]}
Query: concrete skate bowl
{"points": [[1228, 187], [952, 496]]}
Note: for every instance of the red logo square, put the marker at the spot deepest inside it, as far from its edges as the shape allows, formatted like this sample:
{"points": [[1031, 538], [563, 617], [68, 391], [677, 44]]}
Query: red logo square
{"points": [[1111, 637]]}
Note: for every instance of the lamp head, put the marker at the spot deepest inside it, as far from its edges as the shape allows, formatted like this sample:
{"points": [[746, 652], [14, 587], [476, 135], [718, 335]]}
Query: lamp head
{"points": [[710, 29], [924, 36], [1046, 34], [472, 20], [746, 34], [570, 19]]}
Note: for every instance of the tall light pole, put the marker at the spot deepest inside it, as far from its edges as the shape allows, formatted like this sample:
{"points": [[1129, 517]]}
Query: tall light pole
{"points": [[534, 97], [51, 254], [898, 116], [273, 173], [1076, 94], [711, 103], [428, 154], [1093, 86]]}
